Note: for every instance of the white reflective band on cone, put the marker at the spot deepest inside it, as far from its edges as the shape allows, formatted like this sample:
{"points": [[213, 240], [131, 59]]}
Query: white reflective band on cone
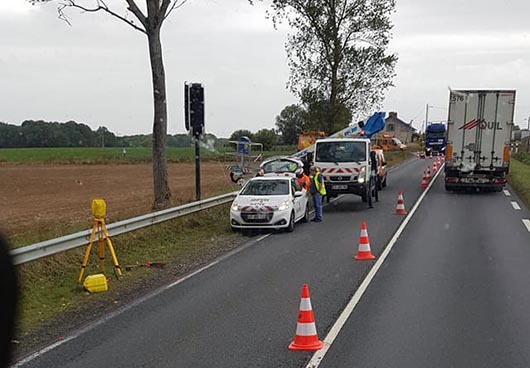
{"points": [[364, 247], [305, 304], [364, 233], [306, 329]]}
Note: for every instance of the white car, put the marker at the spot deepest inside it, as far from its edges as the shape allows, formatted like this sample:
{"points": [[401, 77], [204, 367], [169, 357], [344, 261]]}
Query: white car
{"points": [[269, 202]]}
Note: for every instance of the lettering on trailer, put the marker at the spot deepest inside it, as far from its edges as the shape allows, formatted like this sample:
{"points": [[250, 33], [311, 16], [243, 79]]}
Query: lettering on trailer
{"points": [[482, 124]]}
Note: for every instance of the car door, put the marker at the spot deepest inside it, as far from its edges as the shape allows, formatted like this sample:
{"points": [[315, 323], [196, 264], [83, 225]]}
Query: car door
{"points": [[298, 201]]}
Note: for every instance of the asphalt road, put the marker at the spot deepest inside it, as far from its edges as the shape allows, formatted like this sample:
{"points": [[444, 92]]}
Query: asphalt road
{"points": [[242, 311], [454, 292]]}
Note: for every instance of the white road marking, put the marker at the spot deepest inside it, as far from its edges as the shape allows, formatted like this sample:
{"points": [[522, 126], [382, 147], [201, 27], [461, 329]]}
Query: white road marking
{"points": [[515, 205], [136, 302], [506, 193], [526, 223], [341, 321]]}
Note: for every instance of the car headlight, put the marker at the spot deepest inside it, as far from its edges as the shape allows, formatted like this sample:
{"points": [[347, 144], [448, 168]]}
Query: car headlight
{"points": [[283, 206], [235, 207], [362, 175]]}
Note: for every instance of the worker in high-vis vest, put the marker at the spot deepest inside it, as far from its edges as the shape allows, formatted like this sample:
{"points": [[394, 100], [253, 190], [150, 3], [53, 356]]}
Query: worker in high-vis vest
{"points": [[317, 190]]}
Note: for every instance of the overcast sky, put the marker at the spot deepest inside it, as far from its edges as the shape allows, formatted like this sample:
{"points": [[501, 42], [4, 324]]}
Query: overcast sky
{"points": [[97, 70]]}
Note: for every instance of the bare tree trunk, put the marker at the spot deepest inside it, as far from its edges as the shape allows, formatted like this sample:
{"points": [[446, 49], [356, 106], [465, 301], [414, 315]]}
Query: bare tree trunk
{"points": [[160, 181]]}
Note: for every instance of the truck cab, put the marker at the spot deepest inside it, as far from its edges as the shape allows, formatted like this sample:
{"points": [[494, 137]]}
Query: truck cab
{"points": [[345, 166], [435, 139]]}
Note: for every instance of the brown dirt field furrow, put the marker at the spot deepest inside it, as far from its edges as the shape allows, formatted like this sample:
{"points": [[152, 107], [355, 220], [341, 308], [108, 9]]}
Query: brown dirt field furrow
{"points": [[46, 195]]}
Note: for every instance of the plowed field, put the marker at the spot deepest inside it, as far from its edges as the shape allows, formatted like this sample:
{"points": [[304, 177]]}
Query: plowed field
{"points": [[37, 196]]}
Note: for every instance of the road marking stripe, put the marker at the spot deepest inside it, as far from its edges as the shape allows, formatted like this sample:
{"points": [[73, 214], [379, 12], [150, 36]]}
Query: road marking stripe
{"points": [[341, 321], [526, 223], [108, 317], [507, 193], [515, 205]]}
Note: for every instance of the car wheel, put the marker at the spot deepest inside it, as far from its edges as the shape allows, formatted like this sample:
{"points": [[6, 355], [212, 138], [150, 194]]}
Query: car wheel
{"points": [[290, 228], [364, 198], [306, 214]]}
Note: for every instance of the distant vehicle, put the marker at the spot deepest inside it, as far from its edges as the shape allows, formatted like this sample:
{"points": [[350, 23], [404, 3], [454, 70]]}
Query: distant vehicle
{"points": [[388, 143], [478, 139], [282, 165], [435, 139], [307, 139], [269, 202]]}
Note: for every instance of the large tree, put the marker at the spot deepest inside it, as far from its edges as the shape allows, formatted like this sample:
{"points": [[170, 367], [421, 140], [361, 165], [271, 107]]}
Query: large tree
{"points": [[338, 53], [291, 122], [149, 22]]}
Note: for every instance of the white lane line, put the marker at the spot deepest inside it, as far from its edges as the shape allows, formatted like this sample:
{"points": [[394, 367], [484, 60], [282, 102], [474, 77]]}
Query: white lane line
{"points": [[341, 321], [506, 193], [133, 304], [515, 205], [526, 223]]}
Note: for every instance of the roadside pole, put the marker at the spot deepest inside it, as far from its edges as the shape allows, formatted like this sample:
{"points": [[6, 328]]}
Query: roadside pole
{"points": [[194, 121], [197, 170]]}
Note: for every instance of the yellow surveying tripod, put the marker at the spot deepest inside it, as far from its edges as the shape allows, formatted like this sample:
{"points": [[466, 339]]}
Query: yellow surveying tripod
{"points": [[99, 209]]}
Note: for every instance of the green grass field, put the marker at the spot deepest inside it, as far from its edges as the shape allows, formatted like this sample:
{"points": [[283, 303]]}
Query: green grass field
{"points": [[519, 178], [94, 155], [98, 155]]}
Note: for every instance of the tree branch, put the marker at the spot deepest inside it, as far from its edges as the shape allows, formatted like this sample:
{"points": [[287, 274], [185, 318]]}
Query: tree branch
{"points": [[137, 12], [165, 5], [101, 6]]}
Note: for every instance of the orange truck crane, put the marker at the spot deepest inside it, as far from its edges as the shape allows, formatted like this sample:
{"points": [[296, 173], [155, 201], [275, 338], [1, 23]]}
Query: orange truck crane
{"points": [[387, 142], [307, 139]]}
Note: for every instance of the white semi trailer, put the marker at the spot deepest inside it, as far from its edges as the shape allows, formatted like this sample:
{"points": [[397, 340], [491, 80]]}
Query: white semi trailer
{"points": [[479, 129]]}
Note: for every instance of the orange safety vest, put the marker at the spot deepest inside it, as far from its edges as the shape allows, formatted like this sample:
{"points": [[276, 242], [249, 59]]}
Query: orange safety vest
{"points": [[304, 181]]}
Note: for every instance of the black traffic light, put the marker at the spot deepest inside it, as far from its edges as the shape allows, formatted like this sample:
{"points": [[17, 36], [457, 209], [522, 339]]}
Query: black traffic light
{"points": [[194, 108]]}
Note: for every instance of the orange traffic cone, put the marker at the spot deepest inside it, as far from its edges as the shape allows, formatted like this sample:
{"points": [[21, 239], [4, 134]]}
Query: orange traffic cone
{"points": [[400, 208], [428, 173], [435, 167], [306, 337], [364, 253], [424, 180]]}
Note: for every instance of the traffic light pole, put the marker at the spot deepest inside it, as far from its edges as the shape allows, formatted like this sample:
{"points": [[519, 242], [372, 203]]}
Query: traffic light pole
{"points": [[197, 170], [194, 122]]}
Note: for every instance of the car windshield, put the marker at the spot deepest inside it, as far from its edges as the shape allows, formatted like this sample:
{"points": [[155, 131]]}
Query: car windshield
{"points": [[341, 152], [280, 166], [266, 188]]}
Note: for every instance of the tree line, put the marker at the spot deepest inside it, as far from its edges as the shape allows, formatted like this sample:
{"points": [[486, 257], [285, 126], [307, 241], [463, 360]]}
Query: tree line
{"points": [[72, 134]]}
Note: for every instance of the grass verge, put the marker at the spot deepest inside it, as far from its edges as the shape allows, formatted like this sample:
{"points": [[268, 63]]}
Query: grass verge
{"points": [[49, 286], [519, 179]]}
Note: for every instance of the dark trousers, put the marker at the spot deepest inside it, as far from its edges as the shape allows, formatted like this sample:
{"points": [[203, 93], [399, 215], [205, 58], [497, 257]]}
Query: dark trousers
{"points": [[317, 203]]}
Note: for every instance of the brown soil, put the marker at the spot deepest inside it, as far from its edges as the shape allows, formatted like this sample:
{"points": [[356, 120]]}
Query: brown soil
{"points": [[36, 196]]}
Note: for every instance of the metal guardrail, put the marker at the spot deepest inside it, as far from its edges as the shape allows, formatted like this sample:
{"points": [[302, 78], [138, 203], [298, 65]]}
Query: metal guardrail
{"points": [[58, 245]]}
